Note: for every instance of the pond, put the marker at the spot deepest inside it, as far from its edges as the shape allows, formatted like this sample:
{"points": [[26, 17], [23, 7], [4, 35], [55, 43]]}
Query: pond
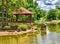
{"points": [[52, 36]]}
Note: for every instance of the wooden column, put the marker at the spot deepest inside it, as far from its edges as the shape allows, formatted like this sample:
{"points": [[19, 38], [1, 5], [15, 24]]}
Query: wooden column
{"points": [[30, 18], [16, 18]]}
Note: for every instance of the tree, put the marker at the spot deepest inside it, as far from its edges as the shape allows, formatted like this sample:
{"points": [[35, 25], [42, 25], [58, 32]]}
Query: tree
{"points": [[14, 5], [51, 15], [58, 12], [58, 7]]}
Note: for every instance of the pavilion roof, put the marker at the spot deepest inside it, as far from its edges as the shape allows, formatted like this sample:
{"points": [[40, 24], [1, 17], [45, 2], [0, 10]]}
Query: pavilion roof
{"points": [[16, 13], [24, 11]]}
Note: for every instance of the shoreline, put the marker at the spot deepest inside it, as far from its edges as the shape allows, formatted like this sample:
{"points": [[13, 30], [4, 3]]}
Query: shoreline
{"points": [[15, 33], [6, 33], [52, 22]]}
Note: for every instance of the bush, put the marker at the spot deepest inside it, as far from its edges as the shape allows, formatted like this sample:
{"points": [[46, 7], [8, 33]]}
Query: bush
{"points": [[0, 27], [6, 27], [23, 27]]}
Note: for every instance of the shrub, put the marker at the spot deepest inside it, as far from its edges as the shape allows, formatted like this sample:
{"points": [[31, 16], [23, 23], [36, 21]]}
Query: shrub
{"points": [[7, 27], [0, 27], [23, 27]]}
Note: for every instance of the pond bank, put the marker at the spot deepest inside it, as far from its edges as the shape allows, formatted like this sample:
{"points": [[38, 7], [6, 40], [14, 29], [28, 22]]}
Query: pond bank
{"points": [[52, 22], [16, 33]]}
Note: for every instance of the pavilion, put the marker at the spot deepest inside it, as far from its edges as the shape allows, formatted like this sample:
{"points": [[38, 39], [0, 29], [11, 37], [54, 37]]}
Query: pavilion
{"points": [[24, 12]]}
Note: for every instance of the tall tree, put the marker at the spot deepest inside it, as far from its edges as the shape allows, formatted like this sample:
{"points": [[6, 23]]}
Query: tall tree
{"points": [[3, 23], [51, 14]]}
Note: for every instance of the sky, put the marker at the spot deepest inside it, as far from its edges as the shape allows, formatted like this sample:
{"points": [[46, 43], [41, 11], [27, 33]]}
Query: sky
{"points": [[48, 4]]}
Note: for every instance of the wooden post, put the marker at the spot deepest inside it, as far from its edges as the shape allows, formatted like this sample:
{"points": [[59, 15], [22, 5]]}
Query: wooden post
{"points": [[16, 18], [30, 18]]}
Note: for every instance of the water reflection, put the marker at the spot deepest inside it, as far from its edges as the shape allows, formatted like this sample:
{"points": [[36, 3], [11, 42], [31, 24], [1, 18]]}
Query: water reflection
{"points": [[43, 29], [29, 38], [50, 36], [54, 27]]}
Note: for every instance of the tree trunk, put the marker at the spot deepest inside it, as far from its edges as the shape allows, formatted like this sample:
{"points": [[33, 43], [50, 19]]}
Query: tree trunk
{"points": [[3, 22], [7, 11]]}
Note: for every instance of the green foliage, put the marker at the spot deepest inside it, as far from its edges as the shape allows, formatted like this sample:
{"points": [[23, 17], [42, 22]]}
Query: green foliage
{"points": [[0, 27], [58, 7], [58, 12], [23, 26], [13, 17], [54, 14], [51, 15], [14, 5], [7, 27]]}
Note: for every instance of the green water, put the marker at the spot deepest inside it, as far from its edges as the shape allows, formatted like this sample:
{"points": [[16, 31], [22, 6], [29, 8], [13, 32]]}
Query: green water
{"points": [[54, 27], [28, 38], [51, 37]]}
